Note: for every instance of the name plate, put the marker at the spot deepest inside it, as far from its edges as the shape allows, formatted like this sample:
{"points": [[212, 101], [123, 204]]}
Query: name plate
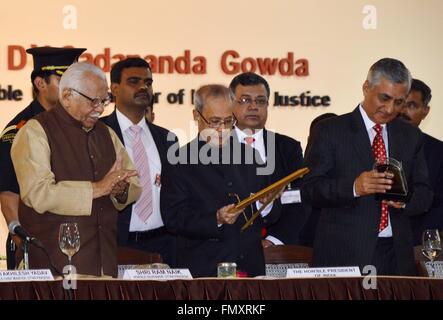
{"points": [[290, 196], [26, 275], [339, 272], [156, 274]]}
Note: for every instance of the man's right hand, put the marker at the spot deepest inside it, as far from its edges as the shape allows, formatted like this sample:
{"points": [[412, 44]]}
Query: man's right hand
{"points": [[224, 216], [370, 182], [112, 180]]}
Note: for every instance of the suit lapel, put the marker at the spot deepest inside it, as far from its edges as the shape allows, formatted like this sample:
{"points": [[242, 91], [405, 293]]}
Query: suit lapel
{"points": [[360, 139], [160, 142], [113, 123]]}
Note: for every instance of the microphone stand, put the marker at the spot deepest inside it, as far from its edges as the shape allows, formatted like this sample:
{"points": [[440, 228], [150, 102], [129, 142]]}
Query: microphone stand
{"points": [[26, 254]]}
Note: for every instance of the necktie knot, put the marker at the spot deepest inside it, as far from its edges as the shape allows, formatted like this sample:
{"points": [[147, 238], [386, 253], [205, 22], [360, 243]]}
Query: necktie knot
{"points": [[135, 129], [249, 140], [378, 128]]}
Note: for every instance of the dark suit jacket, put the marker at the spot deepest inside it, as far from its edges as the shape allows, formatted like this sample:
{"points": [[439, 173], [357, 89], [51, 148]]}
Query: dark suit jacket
{"points": [[190, 197], [162, 143], [288, 158], [433, 219], [348, 228]]}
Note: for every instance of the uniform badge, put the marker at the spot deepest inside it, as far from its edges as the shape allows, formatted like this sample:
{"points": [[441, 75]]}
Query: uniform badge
{"points": [[9, 133], [157, 181]]}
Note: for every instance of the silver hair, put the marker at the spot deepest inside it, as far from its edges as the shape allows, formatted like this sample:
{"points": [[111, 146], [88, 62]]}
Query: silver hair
{"points": [[74, 76], [390, 69], [210, 90]]}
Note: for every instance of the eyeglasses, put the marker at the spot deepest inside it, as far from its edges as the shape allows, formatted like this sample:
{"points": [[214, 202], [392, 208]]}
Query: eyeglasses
{"points": [[259, 102], [214, 124], [95, 102]]}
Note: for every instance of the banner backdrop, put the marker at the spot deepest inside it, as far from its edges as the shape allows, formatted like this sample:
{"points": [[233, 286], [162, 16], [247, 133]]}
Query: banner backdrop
{"points": [[315, 54]]}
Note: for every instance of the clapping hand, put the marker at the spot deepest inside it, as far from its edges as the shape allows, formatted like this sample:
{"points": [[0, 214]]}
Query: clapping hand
{"points": [[115, 182]]}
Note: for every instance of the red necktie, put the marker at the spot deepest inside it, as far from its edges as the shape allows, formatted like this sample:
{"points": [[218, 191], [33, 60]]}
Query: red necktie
{"points": [[249, 140], [379, 151]]}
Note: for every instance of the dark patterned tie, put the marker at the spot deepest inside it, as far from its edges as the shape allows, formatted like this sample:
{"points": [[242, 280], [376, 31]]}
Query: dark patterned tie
{"points": [[379, 151]]}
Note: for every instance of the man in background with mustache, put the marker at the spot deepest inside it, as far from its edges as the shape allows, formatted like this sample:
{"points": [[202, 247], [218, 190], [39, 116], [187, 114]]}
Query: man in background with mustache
{"points": [[140, 226], [415, 111], [250, 93]]}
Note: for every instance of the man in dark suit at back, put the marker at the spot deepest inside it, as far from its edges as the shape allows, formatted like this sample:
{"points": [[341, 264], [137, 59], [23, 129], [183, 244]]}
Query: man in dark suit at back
{"points": [[355, 227], [415, 111], [307, 233], [283, 155], [140, 226]]}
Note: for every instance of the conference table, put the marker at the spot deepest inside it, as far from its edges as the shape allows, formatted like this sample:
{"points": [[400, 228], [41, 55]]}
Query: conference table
{"points": [[383, 288]]}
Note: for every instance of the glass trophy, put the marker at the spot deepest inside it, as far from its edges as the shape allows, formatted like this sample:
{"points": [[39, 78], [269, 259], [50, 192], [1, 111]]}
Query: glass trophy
{"points": [[399, 187]]}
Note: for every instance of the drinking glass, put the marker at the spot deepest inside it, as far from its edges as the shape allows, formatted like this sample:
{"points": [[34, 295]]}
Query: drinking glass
{"points": [[431, 247], [69, 239]]}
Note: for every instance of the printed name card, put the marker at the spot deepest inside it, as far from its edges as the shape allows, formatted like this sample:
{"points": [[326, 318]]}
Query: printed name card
{"points": [[291, 196], [26, 275], [156, 274], [342, 272]]}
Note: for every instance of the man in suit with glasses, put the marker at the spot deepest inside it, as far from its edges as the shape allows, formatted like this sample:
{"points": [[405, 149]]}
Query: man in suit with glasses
{"points": [[211, 174]]}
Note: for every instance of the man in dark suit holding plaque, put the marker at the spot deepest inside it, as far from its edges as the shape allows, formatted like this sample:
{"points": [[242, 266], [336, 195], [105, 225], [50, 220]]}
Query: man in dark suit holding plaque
{"points": [[211, 174], [356, 227]]}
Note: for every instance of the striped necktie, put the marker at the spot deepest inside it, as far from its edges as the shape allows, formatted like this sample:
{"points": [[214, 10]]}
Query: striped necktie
{"points": [[143, 206]]}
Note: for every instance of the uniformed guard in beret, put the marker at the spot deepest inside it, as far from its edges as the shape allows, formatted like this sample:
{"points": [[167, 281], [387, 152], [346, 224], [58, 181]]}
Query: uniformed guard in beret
{"points": [[49, 65]]}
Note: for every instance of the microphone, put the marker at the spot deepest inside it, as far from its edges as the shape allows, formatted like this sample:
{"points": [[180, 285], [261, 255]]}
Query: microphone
{"points": [[15, 228]]}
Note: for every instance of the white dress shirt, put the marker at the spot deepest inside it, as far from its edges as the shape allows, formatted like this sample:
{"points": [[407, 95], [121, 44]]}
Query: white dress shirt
{"points": [[369, 124], [259, 145], [154, 221]]}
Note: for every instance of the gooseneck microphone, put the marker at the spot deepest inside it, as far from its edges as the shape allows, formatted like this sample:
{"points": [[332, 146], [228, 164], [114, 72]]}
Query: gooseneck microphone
{"points": [[15, 228]]}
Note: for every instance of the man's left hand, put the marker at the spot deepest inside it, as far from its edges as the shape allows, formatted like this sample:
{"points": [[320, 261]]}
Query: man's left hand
{"points": [[119, 188], [272, 195], [266, 243]]}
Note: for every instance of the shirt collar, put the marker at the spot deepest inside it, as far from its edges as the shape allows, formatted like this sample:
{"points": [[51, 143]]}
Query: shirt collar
{"points": [[125, 123], [369, 124], [258, 135]]}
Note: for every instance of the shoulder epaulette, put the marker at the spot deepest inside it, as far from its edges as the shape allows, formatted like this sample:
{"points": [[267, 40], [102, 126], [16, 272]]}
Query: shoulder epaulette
{"points": [[7, 129], [7, 135]]}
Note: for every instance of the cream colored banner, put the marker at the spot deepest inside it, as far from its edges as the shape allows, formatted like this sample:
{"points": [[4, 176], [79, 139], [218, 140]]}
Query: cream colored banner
{"points": [[338, 41]]}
